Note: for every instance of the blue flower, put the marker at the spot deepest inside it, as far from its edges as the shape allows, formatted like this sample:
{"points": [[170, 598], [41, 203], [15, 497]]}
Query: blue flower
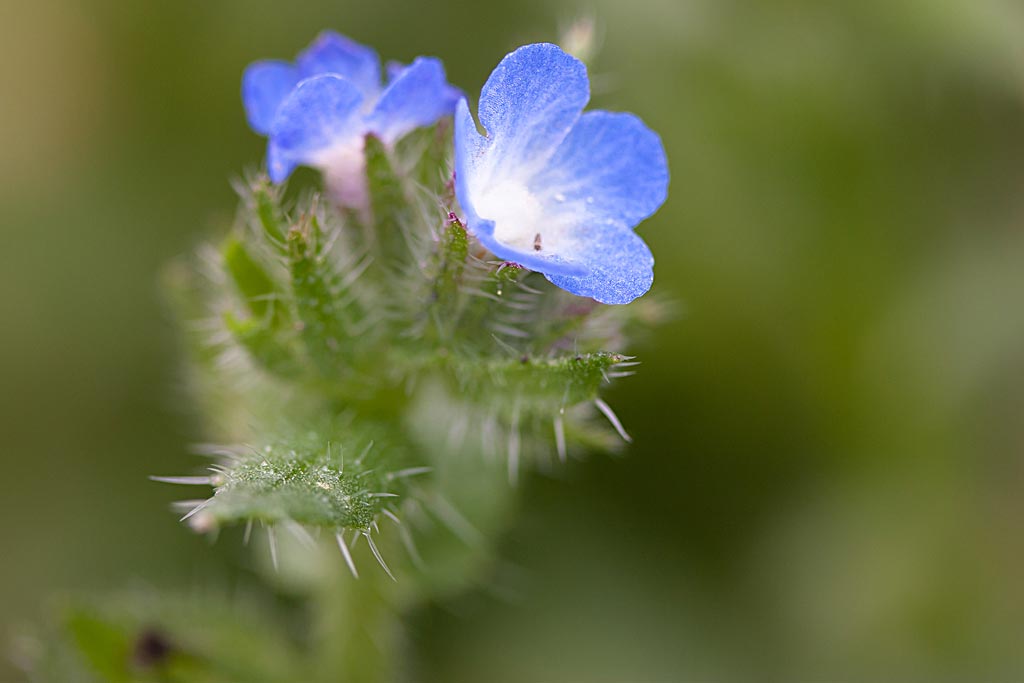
{"points": [[556, 190], [317, 111]]}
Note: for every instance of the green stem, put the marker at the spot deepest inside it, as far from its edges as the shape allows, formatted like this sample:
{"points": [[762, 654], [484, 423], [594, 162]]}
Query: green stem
{"points": [[359, 627]]}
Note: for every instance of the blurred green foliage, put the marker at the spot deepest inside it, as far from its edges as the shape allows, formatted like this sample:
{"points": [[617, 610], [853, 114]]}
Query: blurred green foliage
{"points": [[826, 481]]}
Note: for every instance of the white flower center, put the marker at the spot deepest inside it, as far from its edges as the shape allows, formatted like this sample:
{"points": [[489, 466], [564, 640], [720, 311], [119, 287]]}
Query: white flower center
{"points": [[344, 168], [519, 219]]}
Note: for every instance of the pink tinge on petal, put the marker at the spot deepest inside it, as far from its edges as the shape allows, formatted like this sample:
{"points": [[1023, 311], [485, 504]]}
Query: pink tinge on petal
{"points": [[344, 170]]}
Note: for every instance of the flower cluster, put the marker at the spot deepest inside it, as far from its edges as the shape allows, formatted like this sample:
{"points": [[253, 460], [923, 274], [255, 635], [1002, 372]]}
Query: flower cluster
{"points": [[546, 186], [317, 111]]}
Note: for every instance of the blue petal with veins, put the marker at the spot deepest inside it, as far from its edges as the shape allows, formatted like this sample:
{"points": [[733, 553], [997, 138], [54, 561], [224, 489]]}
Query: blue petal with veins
{"points": [[554, 189], [320, 115]]}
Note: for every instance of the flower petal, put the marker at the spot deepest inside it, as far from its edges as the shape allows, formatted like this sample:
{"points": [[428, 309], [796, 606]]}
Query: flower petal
{"points": [[417, 96], [333, 53], [321, 114], [547, 261], [529, 103], [470, 150], [556, 191], [265, 84], [620, 267], [611, 166], [393, 69]]}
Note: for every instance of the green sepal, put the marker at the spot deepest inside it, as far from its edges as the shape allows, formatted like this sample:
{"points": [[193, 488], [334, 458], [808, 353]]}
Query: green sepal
{"points": [[391, 209], [264, 345], [484, 302], [426, 156], [257, 288], [324, 310], [446, 278], [539, 385], [266, 206]]}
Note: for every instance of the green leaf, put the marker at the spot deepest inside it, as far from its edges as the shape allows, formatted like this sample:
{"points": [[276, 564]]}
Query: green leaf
{"points": [[334, 484], [106, 648], [143, 637]]}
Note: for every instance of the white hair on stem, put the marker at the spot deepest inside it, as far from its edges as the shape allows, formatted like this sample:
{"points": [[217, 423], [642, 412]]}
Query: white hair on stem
{"points": [[272, 545], [559, 425], [607, 411], [376, 554], [346, 554]]}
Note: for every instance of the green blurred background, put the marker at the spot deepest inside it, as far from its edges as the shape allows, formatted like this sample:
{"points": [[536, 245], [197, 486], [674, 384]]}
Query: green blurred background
{"points": [[827, 480]]}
